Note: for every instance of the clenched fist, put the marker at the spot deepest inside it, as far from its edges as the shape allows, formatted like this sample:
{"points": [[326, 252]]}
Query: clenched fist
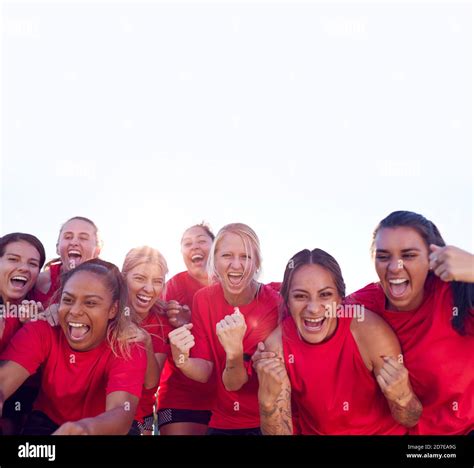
{"points": [[231, 331], [181, 341], [394, 381]]}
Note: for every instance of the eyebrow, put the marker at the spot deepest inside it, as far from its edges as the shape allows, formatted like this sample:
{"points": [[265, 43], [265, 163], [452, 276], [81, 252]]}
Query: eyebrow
{"points": [[403, 250], [88, 296], [303, 290], [80, 234], [19, 256]]}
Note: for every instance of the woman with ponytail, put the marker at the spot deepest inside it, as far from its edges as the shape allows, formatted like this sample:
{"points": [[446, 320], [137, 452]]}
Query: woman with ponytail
{"points": [[426, 294]]}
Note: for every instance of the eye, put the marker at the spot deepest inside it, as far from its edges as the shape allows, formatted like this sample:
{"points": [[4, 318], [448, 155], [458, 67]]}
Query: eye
{"points": [[159, 282], [67, 236], [203, 242], [84, 238], [34, 264], [13, 259], [187, 244], [299, 296], [226, 255], [381, 257], [245, 257], [91, 303], [66, 300], [409, 255], [326, 294]]}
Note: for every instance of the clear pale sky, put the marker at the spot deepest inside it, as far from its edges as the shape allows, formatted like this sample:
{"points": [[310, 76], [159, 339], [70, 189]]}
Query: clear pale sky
{"points": [[309, 121]]}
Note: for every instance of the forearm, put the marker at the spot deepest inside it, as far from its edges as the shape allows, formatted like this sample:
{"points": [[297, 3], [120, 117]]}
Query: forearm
{"points": [[196, 369], [152, 375], [408, 412], [116, 421], [234, 375], [276, 419]]}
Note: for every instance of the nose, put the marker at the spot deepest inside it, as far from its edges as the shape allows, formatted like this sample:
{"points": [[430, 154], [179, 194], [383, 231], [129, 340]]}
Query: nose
{"points": [[312, 307], [148, 288], [394, 265], [23, 267], [75, 310], [235, 263]]}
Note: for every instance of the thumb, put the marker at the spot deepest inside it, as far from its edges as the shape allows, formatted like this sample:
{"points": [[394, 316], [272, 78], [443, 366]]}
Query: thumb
{"points": [[188, 326], [435, 248], [237, 311], [261, 346]]}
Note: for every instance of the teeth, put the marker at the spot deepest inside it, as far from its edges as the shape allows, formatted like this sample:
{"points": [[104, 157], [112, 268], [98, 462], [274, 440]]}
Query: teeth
{"points": [[77, 325], [236, 275], [397, 281], [315, 320], [144, 298], [20, 278], [197, 257], [74, 252]]}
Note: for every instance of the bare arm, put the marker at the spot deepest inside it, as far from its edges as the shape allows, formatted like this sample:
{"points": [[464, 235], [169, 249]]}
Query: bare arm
{"points": [[116, 420], [274, 391], [381, 352]]}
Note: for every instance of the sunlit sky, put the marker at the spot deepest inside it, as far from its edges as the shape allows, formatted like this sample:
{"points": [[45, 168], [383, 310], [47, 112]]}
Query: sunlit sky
{"points": [[309, 121]]}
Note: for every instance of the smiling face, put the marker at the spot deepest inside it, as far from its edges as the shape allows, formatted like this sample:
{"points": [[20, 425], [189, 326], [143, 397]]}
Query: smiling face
{"points": [[235, 264], [77, 243], [195, 247], [85, 309], [402, 265], [311, 291], [19, 268], [145, 283]]}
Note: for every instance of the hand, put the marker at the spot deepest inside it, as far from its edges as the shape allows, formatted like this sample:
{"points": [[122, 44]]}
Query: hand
{"points": [[451, 263], [30, 310], [72, 428], [51, 315], [231, 331], [139, 335], [394, 382], [178, 315], [181, 341], [260, 353], [272, 377]]}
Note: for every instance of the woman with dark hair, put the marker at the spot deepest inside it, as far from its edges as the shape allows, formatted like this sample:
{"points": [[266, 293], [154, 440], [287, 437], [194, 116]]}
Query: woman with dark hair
{"points": [[341, 367], [92, 376], [21, 259], [426, 295], [184, 404]]}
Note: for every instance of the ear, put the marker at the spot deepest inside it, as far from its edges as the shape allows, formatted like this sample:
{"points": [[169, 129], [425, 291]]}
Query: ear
{"points": [[113, 310], [57, 249]]}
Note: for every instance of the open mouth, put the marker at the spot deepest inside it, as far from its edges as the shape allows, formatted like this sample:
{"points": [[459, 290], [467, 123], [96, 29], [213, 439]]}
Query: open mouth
{"points": [[235, 278], [314, 325], [78, 331], [398, 286], [19, 281], [143, 300], [197, 258], [75, 256]]}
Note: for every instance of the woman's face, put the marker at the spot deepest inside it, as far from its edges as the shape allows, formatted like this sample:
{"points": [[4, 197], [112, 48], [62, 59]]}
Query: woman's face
{"points": [[145, 283], [85, 309], [402, 265], [77, 243], [236, 266], [195, 247], [19, 269], [312, 292]]}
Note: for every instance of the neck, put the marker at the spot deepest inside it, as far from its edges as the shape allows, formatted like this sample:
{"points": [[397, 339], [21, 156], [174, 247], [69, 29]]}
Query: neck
{"points": [[243, 298], [200, 276]]}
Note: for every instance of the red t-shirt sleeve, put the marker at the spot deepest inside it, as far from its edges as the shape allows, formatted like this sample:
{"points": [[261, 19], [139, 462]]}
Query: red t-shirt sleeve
{"points": [[11, 326], [202, 349], [128, 374], [30, 345]]}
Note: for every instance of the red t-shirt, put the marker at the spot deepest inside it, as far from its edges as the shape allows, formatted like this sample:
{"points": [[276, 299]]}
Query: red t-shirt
{"points": [[74, 384], [158, 328], [334, 392], [232, 410], [176, 390], [12, 325], [46, 298], [439, 360]]}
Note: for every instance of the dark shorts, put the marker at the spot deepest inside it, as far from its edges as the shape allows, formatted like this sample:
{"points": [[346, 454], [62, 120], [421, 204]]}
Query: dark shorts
{"points": [[39, 424], [138, 427], [170, 415], [251, 431]]}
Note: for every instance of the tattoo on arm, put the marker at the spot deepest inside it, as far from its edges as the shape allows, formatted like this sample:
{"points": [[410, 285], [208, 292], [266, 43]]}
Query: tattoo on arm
{"points": [[277, 421], [408, 415]]}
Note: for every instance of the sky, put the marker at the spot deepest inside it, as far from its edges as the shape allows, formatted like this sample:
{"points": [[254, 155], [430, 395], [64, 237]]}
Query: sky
{"points": [[309, 121]]}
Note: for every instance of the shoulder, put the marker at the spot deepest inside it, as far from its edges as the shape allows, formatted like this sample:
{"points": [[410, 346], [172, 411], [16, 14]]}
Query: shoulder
{"points": [[374, 337], [43, 283], [209, 293], [274, 341], [371, 295]]}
